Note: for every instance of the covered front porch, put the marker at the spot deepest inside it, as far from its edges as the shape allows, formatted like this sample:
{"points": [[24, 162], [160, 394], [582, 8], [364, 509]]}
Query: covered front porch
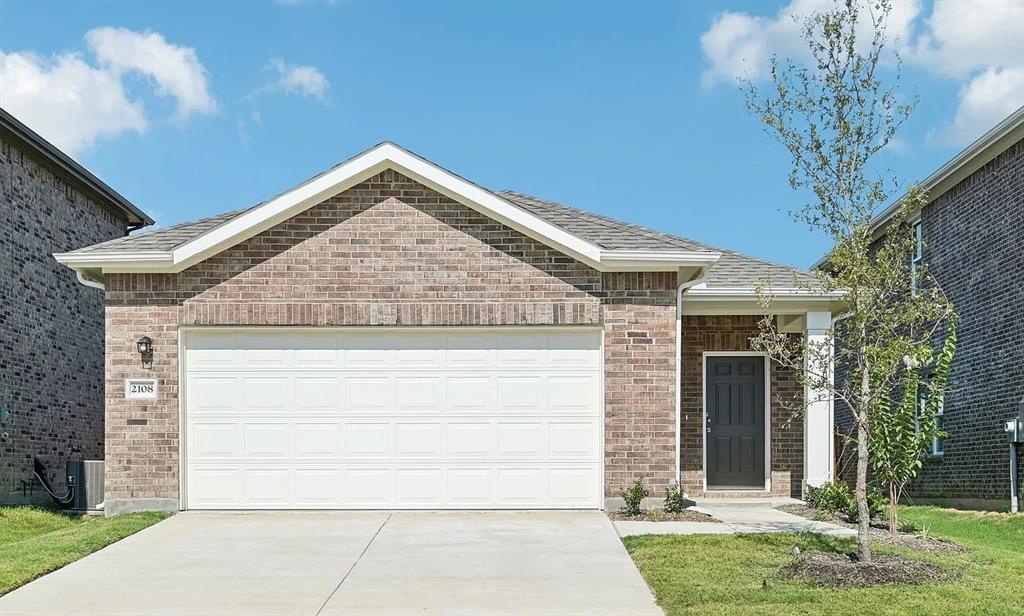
{"points": [[748, 427]]}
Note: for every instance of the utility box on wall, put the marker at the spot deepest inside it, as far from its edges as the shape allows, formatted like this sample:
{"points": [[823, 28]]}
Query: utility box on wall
{"points": [[88, 480]]}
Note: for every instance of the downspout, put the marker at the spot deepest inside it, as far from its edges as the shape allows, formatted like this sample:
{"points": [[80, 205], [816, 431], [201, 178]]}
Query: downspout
{"points": [[679, 367]]}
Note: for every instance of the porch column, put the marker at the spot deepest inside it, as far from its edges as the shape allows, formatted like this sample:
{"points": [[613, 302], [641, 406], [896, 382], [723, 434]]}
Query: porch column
{"points": [[818, 416]]}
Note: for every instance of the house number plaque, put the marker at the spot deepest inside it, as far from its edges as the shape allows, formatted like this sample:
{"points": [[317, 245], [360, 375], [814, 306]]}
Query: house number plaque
{"points": [[140, 388]]}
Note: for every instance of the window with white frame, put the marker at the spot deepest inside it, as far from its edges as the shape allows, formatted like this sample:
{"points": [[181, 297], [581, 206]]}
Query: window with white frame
{"points": [[916, 256]]}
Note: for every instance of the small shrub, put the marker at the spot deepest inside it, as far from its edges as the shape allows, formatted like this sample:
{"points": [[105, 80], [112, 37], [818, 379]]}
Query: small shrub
{"points": [[832, 497], [837, 497], [675, 501], [877, 503], [634, 496]]}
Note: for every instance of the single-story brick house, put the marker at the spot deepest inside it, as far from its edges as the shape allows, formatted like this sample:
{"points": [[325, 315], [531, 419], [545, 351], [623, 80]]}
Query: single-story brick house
{"points": [[391, 335]]}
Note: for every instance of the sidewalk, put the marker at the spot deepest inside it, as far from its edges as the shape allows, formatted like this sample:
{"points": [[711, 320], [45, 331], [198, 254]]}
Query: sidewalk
{"points": [[737, 518]]}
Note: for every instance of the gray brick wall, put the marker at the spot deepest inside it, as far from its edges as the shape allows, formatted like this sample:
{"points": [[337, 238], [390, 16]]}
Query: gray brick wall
{"points": [[974, 244], [51, 327]]}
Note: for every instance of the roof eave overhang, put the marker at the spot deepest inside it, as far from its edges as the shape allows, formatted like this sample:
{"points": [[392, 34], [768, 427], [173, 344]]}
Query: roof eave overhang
{"points": [[957, 169], [748, 301], [356, 170]]}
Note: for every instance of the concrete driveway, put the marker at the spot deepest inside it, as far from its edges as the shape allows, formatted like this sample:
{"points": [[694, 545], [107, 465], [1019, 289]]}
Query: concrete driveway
{"points": [[352, 563]]}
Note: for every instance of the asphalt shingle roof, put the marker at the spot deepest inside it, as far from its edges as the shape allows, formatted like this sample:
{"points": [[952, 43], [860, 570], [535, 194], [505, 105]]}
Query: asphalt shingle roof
{"points": [[163, 239], [733, 270]]}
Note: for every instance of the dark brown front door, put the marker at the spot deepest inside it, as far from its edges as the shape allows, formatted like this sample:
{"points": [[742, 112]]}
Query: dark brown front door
{"points": [[735, 422]]}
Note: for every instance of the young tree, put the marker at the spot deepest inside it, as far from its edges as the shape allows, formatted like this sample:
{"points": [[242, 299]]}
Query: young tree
{"points": [[833, 113]]}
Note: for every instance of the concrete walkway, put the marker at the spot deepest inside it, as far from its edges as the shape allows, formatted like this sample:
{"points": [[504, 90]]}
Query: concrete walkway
{"points": [[736, 518], [351, 563]]}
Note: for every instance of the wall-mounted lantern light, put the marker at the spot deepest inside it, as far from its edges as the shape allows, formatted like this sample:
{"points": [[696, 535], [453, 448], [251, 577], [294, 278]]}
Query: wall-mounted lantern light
{"points": [[145, 345]]}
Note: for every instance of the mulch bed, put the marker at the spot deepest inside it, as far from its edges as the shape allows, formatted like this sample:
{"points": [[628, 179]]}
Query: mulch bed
{"points": [[879, 531], [844, 570], [658, 515]]}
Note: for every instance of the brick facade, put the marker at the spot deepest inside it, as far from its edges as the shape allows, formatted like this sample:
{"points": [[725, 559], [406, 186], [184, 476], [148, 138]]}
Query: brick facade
{"points": [[974, 245], [51, 327], [733, 333], [389, 251]]}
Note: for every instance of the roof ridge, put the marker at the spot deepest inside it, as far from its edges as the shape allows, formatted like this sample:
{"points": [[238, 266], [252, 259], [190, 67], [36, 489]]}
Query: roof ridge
{"points": [[652, 232]]}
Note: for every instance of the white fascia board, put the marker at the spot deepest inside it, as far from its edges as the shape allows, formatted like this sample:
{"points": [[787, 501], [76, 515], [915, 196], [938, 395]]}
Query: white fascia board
{"points": [[359, 169], [718, 293], [362, 167], [110, 262], [646, 261]]}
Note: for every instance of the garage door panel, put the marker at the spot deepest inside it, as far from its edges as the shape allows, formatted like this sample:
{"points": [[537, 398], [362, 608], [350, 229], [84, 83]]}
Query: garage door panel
{"points": [[472, 487], [266, 394], [266, 441], [215, 440], [469, 393], [573, 439], [522, 487], [368, 440], [520, 393], [369, 394], [572, 487], [268, 350], [472, 439], [574, 349], [370, 487], [518, 349], [471, 350], [268, 487], [522, 440], [419, 440], [420, 487], [316, 394], [211, 394], [419, 394], [215, 488], [319, 487], [316, 440], [573, 393], [393, 419]]}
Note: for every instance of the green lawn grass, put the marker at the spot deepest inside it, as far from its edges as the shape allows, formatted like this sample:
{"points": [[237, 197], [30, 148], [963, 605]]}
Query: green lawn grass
{"points": [[36, 541], [726, 574]]}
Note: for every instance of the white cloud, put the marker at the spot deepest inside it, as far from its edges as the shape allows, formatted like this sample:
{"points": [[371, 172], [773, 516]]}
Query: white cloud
{"points": [[296, 79], [740, 45], [176, 70], [984, 100], [962, 37], [978, 43], [66, 100], [72, 102]]}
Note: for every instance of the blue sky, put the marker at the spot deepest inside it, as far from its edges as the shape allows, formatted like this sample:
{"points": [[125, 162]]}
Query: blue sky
{"points": [[194, 109]]}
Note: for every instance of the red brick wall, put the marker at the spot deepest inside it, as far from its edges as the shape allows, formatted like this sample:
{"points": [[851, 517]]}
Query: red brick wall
{"points": [[733, 333], [390, 252]]}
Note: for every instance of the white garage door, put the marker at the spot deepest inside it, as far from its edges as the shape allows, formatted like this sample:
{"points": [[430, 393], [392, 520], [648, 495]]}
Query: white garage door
{"points": [[393, 418]]}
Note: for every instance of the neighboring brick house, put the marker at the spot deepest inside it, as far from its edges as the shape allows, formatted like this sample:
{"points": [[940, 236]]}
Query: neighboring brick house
{"points": [[51, 327], [390, 335], [972, 241]]}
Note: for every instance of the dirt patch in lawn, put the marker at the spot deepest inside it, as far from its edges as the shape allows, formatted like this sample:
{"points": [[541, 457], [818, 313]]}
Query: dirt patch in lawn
{"points": [[879, 532], [659, 515], [845, 570]]}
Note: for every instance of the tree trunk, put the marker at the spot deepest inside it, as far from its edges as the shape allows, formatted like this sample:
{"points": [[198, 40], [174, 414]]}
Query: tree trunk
{"points": [[861, 490], [894, 511]]}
